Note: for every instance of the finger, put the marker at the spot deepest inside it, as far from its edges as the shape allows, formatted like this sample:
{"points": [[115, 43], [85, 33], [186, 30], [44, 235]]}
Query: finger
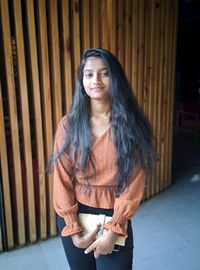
{"points": [[96, 255], [90, 248]]}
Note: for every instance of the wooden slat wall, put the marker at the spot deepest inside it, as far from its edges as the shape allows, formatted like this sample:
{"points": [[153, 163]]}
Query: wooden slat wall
{"points": [[42, 45], [25, 120], [15, 179], [5, 176]]}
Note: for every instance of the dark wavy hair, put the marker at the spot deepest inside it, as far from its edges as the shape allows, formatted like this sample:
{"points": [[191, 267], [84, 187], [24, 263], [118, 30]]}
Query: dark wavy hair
{"points": [[132, 133]]}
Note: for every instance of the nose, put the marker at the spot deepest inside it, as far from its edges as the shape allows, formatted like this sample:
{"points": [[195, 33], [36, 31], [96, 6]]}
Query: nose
{"points": [[96, 78]]}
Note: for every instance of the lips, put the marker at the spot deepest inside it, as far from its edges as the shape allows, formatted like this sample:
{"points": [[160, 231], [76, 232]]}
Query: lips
{"points": [[98, 88]]}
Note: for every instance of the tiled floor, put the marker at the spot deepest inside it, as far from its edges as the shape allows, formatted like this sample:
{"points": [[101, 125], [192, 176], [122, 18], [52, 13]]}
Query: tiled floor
{"points": [[166, 227]]}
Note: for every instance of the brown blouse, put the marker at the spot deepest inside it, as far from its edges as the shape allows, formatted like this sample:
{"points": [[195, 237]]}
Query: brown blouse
{"points": [[99, 191]]}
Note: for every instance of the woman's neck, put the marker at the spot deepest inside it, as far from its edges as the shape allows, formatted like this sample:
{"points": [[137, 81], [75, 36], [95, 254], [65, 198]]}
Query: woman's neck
{"points": [[100, 118], [100, 109]]}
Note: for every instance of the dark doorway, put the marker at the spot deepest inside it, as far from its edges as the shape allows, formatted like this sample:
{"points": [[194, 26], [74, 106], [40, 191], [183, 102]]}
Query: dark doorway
{"points": [[186, 142]]}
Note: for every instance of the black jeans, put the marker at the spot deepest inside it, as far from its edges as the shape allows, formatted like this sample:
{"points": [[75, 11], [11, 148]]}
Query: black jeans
{"points": [[78, 260]]}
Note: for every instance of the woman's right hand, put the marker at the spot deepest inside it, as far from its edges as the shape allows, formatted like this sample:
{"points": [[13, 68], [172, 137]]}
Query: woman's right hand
{"points": [[84, 241]]}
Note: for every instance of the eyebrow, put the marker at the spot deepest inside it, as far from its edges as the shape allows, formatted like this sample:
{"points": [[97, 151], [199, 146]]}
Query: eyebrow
{"points": [[93, 70]]}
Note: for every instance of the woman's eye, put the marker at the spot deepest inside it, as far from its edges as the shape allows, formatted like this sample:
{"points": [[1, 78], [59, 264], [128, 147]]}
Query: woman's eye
{"points": [[88, 75], [104, 74]]}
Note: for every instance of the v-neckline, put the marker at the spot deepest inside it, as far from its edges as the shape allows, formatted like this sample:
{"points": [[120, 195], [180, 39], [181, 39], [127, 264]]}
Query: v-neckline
{"points": [[95, 138]]}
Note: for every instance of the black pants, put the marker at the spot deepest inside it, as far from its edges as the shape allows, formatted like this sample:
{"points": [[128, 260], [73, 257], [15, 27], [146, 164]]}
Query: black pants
{"points": [[78, 260]]}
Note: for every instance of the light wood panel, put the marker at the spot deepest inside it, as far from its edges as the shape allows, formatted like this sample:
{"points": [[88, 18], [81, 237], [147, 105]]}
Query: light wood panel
{"points": [[39, 72]]}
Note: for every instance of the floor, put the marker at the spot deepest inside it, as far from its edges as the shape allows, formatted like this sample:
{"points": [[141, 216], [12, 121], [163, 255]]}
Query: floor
{"points": [[166, 227]]}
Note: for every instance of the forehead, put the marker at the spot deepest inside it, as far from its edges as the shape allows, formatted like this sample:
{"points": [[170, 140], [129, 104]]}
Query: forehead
{"points": [[95, 63]]}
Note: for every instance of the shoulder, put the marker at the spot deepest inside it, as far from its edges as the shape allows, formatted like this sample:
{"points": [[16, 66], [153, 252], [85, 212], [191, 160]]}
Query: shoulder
{"points": [[63, 122]]}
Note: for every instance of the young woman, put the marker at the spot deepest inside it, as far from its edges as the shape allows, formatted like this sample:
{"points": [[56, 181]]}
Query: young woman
{"points": [[103, 153]]}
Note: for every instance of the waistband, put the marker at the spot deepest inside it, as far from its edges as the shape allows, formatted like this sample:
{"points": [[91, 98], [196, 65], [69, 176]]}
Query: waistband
{"points": [[82, 208]]}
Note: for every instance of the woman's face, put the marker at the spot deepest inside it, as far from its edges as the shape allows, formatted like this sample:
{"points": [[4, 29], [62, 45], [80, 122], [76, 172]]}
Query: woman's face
{"points": [[96, 79]]}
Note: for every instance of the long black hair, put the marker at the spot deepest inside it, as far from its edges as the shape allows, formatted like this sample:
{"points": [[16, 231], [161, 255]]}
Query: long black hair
{"points": [[132, 132]]}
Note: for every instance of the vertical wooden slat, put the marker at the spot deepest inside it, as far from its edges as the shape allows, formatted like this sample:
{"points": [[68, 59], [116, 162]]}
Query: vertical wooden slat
{"points": [[55, 61], [25, 118], [147, 57], [56, 94], [140, 52], [152, 75], [168, 105], [174, 26], [5, 178], [167, 95], [111, 13], [151, 66], [169, 99], [46, 100], [85, 24], [156, 100], [95, 17], [134, 27], [170, 84], [120, 31], [159, 66], [103, 24], [76, 33], [34, 76], [128, 39], [147, 69], [13, 120], [163, 101], [67, 62]]}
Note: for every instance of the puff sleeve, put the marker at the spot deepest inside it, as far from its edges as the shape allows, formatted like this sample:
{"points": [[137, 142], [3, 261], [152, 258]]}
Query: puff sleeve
{"points": [[64, 198], [127, 204]]}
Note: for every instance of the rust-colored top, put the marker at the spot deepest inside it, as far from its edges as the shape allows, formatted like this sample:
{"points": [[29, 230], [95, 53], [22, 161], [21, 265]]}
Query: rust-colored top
{"points": [[100, 190]]}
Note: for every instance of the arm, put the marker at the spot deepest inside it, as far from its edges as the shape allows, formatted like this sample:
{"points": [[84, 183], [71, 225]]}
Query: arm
{"points": [[127, 204], [64, 197]]}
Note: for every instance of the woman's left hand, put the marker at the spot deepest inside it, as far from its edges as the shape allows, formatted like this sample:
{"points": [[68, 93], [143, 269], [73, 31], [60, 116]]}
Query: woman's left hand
{"points": [[103, 245]]}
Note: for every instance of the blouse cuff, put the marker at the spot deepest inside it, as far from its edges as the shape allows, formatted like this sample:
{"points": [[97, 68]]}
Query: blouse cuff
{"points": [[117, 225], [72, 225]]}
